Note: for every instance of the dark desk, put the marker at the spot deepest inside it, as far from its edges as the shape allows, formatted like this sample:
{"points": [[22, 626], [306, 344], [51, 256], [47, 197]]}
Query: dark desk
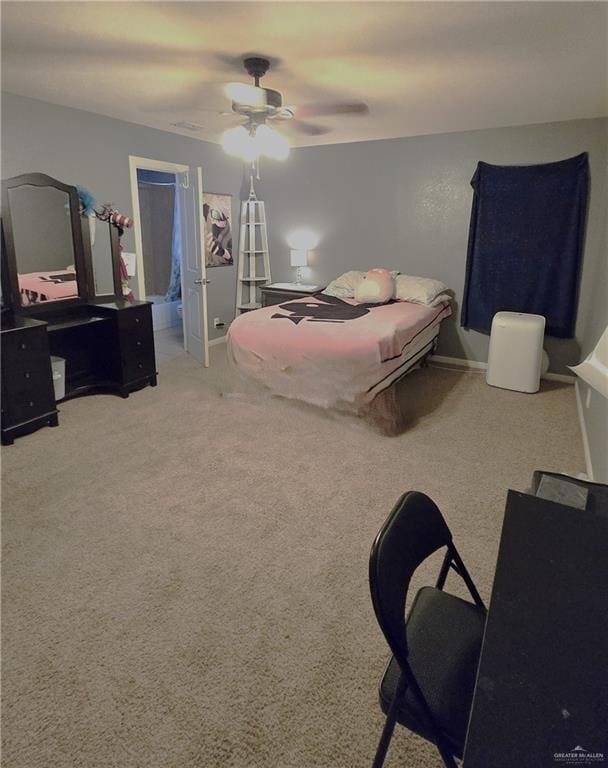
{"points": [[542, 686], [107, 347]]}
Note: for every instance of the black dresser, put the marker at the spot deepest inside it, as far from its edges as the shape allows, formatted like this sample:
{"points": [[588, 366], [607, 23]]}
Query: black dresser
{"points": [[107, 348], [28, 398]]}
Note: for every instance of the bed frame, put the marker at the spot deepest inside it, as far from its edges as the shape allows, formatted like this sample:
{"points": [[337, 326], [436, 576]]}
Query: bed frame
{"points": [[384, 412]]}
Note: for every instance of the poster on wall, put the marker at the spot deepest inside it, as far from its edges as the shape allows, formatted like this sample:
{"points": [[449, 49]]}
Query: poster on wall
{"points": [[217, 212]]}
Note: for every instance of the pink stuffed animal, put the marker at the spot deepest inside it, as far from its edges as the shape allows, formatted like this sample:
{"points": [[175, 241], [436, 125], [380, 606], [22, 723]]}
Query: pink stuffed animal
{"points": [[377, 287]]}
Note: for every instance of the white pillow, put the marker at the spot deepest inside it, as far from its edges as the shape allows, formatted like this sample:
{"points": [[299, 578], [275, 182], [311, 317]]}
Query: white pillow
{"points": [[419, 290], [344, 287]]}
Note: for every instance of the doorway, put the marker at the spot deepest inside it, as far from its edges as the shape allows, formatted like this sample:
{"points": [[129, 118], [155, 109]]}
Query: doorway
{"points": [[161, 246], [167, 263]]}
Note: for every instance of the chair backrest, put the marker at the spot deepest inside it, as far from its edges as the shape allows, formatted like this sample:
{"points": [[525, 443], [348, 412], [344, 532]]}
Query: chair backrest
{"points": [[414, 529]]}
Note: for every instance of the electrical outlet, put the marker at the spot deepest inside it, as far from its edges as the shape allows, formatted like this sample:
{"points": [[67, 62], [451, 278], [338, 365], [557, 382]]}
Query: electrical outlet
{"points": [[217, 323]]}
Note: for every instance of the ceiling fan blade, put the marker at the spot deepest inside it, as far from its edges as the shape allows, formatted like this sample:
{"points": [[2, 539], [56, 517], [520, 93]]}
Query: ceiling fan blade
{"points": [[322, 110], [310, 129]]}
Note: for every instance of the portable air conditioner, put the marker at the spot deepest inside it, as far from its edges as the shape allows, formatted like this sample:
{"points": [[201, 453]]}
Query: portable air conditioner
{"points": [[516, 351]]}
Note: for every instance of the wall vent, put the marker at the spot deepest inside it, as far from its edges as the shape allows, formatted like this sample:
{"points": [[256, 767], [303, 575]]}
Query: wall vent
{"points": [[186, 126]]}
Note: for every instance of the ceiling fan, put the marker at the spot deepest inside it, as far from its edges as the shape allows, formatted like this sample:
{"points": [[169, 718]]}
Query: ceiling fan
{"points": [[261, 106]]}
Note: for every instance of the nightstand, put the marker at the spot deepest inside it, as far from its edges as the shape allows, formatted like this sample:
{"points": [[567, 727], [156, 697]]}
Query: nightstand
{"points": [[277, 293]]}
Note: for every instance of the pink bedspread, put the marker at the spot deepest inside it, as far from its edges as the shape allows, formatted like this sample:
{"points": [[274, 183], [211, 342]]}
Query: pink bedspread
{"points": [[330, 352], [37, 286]]}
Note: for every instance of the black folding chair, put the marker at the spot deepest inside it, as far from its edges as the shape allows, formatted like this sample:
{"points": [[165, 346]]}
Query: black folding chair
{"points": [[429, 681]]}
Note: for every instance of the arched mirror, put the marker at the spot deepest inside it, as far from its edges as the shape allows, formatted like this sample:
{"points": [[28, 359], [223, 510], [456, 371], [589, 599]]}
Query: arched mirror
{"points": [[48, 247]]}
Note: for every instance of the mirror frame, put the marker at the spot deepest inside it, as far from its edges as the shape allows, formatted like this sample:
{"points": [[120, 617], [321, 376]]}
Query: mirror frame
{"points": [[82, 256]]}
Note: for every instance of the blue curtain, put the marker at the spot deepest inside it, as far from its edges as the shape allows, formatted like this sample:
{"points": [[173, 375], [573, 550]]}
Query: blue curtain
{"points": [[174, 292], [526, 243]]}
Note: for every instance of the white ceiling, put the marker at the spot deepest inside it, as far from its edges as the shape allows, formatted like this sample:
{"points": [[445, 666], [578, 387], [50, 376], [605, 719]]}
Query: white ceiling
{"points": [[422, 67]]}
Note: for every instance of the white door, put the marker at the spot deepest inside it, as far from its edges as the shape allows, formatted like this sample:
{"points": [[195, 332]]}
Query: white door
{"points": [[194, 285]]}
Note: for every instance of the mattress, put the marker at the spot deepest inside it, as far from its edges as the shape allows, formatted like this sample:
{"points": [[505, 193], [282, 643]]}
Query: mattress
{"points": [[334, 353]]}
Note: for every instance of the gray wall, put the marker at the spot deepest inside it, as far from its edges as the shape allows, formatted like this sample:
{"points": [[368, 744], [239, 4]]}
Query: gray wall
{"points": [[406, 203], [93, 151]]}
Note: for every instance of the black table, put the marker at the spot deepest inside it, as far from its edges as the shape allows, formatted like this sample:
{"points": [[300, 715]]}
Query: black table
{"points": [[542, 688]]}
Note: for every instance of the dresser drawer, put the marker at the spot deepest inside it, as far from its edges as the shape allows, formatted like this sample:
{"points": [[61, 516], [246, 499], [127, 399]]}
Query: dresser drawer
{"points": [[21, 371], [30, 405], [138, 366], [135, 320], [24, 345], [136, 343], [24, 381]]}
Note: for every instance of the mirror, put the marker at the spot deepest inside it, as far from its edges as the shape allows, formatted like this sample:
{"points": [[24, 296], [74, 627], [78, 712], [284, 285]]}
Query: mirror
{"points": [[43, 242], [99, 234]]}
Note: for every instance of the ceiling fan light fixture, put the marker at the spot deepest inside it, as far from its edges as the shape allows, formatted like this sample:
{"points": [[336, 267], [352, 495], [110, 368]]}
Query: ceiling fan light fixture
{"points": [[242, 93], [238, 142], [271, 143]]}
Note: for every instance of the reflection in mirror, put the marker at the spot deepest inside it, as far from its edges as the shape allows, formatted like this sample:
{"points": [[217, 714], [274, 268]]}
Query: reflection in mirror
{"points": [[101, 255], [44, 247]]}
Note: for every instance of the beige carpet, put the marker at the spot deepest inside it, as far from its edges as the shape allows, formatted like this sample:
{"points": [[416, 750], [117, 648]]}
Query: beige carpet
{"points": [[185, 574]]}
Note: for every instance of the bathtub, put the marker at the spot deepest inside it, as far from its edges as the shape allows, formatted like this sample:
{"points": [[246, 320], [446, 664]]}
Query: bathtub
{"points": [[165, 314]]}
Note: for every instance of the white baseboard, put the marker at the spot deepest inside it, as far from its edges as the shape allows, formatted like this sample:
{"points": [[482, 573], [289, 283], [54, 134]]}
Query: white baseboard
{"points": [[583, 426], [459, 362], [219, 340]]}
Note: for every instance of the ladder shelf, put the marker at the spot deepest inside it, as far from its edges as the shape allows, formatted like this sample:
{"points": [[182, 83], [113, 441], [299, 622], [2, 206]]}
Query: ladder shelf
{"points": [[254, 258]]}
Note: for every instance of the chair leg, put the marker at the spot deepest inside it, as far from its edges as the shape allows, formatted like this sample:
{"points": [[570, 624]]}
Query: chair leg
{"points": [[438, 740], [447, 757], [385, 739], [389, 725]]}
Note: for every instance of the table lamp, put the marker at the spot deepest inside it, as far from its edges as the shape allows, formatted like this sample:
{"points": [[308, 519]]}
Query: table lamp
{"points": [[301, 241]]}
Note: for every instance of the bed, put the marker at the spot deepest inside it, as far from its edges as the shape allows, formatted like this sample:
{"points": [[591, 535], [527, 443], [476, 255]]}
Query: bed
{"points": [[336, 353], [47, 286]]}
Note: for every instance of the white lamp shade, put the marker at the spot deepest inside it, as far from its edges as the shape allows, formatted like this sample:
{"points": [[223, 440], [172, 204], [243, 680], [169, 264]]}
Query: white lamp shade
{"points": [[303, 239], [298, 257]]}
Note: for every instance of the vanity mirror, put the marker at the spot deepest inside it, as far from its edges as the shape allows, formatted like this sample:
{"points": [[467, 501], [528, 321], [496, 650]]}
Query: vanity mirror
{"points": [[45, 254], [105, 254]]}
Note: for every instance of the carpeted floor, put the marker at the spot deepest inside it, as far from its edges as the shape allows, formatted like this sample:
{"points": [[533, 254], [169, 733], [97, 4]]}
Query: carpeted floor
{"points": [[185, 571]]}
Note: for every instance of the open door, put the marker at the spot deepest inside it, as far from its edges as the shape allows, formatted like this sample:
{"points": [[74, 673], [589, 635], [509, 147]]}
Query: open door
{"points": [[194, 279]]}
